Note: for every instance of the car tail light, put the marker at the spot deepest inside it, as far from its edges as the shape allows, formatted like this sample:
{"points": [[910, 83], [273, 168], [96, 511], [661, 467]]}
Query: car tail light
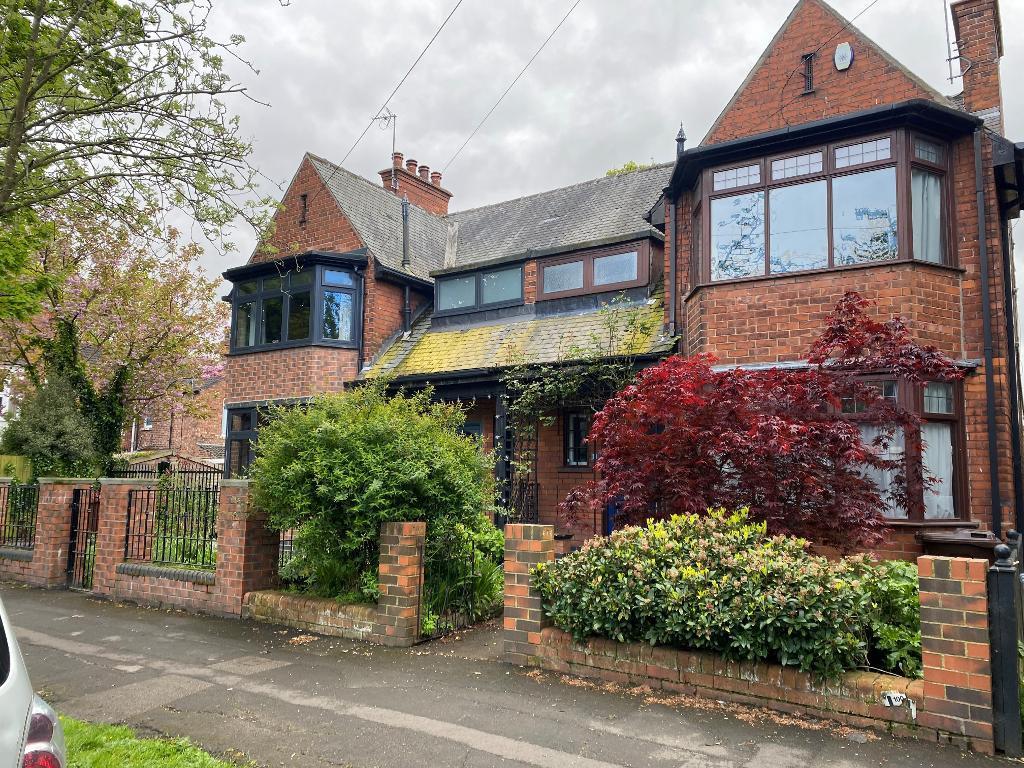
{"points": [[44, 741], [40, 728], [41, 759]]}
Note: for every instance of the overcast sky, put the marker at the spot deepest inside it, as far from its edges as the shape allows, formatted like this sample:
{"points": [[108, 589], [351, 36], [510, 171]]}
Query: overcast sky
{"points": [[612, 86]]}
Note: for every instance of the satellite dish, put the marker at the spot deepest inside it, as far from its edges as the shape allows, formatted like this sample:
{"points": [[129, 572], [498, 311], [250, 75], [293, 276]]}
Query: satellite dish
{"points": [[844, 56]]}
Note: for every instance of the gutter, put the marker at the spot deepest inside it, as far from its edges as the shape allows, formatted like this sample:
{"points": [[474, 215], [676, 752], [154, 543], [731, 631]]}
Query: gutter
{"points": [[986, 317]]}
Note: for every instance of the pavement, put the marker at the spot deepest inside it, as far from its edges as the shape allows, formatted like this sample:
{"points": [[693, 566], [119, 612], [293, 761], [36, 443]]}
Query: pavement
{"points": [[279, 697]]}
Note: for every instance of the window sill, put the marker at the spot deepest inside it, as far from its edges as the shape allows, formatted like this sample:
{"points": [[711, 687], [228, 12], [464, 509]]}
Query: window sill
{"points": [[826, 271], [948, 523], [575, 470], [350, 345]]}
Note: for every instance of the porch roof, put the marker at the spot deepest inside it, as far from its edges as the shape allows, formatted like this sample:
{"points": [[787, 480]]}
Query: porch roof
{"points": [[523, 340]]}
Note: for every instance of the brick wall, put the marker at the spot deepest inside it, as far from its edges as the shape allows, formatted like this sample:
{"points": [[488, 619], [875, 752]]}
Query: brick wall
{"points": [[951, 704], [45, 565], [955, 649], [400, 579], [247, 555], [284, 373], [325, 228], [525, 546], [771, 97]]}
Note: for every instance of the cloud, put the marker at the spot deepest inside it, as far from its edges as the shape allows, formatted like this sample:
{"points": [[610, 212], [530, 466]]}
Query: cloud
{"points": [[612, 86]]}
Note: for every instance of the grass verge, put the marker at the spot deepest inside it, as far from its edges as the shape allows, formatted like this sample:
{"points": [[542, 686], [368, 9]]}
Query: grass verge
{"points": [[115, 746]]}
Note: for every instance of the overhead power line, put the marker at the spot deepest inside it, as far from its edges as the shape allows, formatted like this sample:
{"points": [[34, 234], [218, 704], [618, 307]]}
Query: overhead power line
{"points": [[511, 85], [377, 114]]}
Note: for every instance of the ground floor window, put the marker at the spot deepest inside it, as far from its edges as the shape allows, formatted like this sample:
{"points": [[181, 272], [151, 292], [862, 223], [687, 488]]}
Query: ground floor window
{"points": [[935, 451], [242, 425], [577, 427]]}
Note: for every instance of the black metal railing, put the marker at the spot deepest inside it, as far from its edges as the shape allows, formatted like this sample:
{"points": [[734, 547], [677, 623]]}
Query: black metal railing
{"points": [[173, 526], [285, 549], [188, 478], [85, 523], [19, 506]]}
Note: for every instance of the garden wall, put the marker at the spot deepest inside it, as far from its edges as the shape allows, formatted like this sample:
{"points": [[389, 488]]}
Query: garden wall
{"points": [[951, 704]]}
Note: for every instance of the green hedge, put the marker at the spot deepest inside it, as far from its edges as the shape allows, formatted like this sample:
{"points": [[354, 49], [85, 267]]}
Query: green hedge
{"points": [[720, 583]]}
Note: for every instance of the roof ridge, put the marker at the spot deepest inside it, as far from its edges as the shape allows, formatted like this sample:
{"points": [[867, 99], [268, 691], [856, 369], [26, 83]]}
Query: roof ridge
{"points": [[654, 167]]}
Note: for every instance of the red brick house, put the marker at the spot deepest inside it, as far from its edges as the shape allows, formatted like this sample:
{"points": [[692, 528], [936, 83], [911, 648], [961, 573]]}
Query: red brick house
{"points": [[832, 168], [197, 434]]}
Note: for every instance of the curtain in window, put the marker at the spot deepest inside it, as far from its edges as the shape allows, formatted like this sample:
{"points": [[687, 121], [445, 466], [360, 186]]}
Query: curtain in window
{"points": [[937, 457], [884, 479], [926, 203]]}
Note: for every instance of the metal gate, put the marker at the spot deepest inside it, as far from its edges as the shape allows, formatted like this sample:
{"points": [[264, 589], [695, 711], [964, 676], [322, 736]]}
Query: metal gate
{"points": [[85, 518]]}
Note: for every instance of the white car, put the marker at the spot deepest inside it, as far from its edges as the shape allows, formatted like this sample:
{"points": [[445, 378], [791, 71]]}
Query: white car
{"points": [[30, 733]]}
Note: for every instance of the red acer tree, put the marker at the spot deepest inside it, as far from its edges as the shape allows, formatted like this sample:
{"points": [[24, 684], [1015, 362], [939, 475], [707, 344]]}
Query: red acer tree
{"points": [[784, 442]]}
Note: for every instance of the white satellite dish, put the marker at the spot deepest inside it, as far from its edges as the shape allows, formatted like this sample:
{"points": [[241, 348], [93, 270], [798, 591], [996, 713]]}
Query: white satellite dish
{"points": [[844, 56]]}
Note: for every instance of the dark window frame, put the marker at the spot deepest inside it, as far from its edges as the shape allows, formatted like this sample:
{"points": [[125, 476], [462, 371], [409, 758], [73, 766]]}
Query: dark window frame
{"points": [[643, 270], [901, 158], [567, 421], [477, 304], [911, 397], [245, 436], [316, 289]]}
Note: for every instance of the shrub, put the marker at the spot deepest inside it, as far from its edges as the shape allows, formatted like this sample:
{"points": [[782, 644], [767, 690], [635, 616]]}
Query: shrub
{"points": [[894, 617], [337, 468], [720, 583], [50, 430]]}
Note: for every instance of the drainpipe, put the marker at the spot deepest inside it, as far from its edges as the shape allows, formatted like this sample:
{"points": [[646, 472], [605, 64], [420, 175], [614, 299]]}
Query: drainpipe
{"points": [[407, 311], [1013, 377], [986, 318], [671, 207]]}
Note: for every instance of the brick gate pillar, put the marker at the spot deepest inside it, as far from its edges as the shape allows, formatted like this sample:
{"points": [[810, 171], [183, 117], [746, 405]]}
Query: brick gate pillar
{"points": [[955, 649], [525, 547], [53, 530], [247, 551], [400, 578], [112, 528]]}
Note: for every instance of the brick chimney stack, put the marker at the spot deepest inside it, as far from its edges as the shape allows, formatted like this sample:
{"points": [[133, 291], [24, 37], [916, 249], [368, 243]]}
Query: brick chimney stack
{"points": [[417, 182], [979, 37]]}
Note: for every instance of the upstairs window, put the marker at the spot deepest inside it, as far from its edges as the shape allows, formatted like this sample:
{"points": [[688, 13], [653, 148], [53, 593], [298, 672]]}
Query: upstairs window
{"points": [[592, 272], [876, 200], [309, 305], [490, 288]]}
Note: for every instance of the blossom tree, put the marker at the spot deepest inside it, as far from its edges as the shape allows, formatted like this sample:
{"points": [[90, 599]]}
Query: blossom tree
{"points": [[129, 319], [686, 436]]}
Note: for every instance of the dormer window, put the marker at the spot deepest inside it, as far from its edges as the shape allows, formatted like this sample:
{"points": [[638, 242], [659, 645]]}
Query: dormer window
{"points": [[608, 269], [488, 289], [306, 305]]}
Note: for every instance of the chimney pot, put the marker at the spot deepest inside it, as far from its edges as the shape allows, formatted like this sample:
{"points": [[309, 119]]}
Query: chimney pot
{"points": [[410, 165], [435, 178], [425, 172], [396, 159]]}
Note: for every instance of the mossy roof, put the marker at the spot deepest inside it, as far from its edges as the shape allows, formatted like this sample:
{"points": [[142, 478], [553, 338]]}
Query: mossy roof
{"points": [[525, 339]]}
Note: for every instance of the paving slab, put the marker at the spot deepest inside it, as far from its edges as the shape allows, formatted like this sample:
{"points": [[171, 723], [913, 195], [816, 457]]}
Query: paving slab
{"points": [[283, 697]]}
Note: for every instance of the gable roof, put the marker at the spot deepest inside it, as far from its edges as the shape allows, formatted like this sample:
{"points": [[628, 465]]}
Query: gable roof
{"points": [[599, 209], [844, 25], [376, 215], [519, 340]]}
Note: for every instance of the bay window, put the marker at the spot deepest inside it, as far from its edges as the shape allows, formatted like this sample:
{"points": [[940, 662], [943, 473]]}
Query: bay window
{"points": [[935, 452], [838, 205], [313, 304]]}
